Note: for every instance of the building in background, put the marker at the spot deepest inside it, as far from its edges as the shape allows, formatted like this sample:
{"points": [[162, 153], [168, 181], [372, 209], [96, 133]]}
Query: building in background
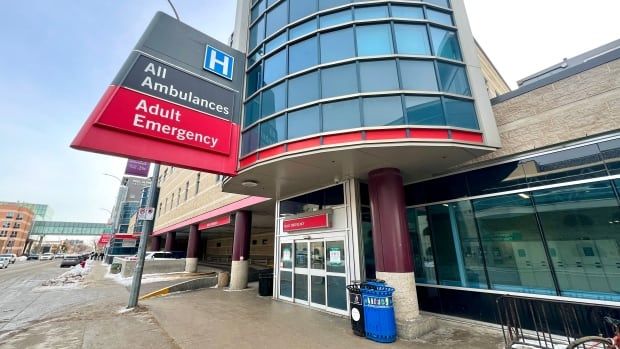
{"points": [[16, 221], [130, 193], [42, 212]]}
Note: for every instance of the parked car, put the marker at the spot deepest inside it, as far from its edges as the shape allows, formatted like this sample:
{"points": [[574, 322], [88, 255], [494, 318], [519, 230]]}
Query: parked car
{"points": [[70, 260], [12, 257], [32, 256], [154, 256], [4, 262], [59, 256], [46, 256]]}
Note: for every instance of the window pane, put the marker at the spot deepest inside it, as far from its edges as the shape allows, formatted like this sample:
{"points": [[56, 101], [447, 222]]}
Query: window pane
{"points": [[369, 255], [374, 40], [336, 292], [504, 177], [424, 111], [412, 39], [339, 81], [371, 12], [460, 113], [439, 17], [257, 33], [383, 111], [563, 166], [303, 55], [445, 44], [420, 235], [335, 257], [277, 18], [275, 67], [453, 79], [252, 111], [335, 18], [610, 152], [275, 42], [303, 122], [250, 140], [274, 99], [303, 89], [325, 4], [513, 249], [378, 76], [301, 8], [254, 80], [257, 10], [581, 225], [337, 45], [418, 75], [341, 115], [443, 3], [409, 12], [273, 131], [302, 29]]}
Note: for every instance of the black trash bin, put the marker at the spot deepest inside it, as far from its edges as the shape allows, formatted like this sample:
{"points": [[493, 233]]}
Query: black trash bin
{"points": [[265, 282], [357, 309]]}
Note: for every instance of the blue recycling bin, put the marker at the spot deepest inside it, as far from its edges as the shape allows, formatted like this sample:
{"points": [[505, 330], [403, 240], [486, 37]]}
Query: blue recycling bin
{"points": [[379, 320]]}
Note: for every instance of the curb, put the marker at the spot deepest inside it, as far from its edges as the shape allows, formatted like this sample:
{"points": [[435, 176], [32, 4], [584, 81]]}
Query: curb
{"points": [[194, 284]]}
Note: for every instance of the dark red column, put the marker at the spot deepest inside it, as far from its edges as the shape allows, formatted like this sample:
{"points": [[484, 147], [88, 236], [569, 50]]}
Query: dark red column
{"points": [[241, 240], [390, 235], [193, 243], [155, 243], [170, 236]]}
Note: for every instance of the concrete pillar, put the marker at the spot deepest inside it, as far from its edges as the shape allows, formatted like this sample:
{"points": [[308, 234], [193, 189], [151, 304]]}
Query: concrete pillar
{"points": [[170, 241], [392, 249], [241, 251], [193, 246], [155, 243]]}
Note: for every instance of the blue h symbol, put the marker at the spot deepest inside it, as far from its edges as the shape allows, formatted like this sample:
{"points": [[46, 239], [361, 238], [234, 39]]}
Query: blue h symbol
{"points": [[219, 62]]}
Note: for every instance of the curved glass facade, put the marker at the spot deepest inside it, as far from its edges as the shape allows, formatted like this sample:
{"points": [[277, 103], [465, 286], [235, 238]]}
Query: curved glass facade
{"points": [[317, 66]]}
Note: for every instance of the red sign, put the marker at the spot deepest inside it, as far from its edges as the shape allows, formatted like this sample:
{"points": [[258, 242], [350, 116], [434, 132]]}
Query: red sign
{"points": [[306, 223], [126, 236], [104, 239], [216, 222]]}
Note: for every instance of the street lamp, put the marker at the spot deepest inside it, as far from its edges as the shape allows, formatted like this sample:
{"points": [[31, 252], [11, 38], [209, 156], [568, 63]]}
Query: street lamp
{"points": [[113, 176]]}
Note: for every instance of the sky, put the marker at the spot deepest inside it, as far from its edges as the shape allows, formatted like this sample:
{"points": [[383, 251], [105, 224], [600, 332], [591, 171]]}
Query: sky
{"points": [[59, 56]]}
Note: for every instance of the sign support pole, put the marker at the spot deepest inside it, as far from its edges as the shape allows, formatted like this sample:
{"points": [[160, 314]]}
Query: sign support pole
{"points": [[147, 228]]}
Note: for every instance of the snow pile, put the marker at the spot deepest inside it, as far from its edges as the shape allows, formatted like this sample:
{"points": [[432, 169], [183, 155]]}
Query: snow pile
{"points": [[72, 277], [21, 259]]}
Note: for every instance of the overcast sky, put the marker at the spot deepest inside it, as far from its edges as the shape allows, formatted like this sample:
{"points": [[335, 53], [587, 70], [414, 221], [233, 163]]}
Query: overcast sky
{"points": [[59, 56]]}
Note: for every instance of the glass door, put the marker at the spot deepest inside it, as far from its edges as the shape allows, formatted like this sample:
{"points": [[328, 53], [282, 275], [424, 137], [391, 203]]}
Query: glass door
{"points": [[286, 271], [317, 274], [300, 278], [336, 275]]}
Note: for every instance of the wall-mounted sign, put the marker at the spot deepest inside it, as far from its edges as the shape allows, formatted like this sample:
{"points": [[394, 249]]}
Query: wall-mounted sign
{"points": [[104, 239], [215, 222], [306, 223], [164, 107], [137, 168], [146, 213]]}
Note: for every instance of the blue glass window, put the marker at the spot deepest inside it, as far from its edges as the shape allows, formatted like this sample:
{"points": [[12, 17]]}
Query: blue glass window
{"points": [[341, 115], [562, 166], [301, 8], [371, 12], [275, 67], [250, 141], [610, 151], [339, 81], [303, 54], [383, 111], [257, 10], [444, 3], [255, 57], [337, 45], [460, 113], [424, 111], [409, 12], [274, 99], [302, 29], [378, 76], [439, 17], [253, 80], [275, 42], [335, 18], [374, 40], [420, 235], [445, 43], [303, 89], [412, 39], [494, 179], [257, 33], [418, 75], [453, 79], [277, 18], [325, 4], [273, 131], [303, 122], [252, 111]]}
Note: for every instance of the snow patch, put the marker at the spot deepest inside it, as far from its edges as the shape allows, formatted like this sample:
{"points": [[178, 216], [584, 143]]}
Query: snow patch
{"points": [[72, 278]]}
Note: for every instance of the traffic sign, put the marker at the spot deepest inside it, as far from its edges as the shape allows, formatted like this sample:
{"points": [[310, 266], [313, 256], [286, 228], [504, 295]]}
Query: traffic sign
{"points": [[146, 213]]}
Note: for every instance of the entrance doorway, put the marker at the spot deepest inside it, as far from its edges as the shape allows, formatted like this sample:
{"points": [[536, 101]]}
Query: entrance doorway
{"points": [[313, 272]]}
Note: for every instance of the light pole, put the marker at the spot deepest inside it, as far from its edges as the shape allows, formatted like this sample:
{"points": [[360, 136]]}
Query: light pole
{"points": [[113, 176]]}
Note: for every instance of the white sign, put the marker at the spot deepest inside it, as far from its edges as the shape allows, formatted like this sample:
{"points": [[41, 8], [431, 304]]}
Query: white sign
{"points": [[334, 257], [146, 213], [128, 243]]}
